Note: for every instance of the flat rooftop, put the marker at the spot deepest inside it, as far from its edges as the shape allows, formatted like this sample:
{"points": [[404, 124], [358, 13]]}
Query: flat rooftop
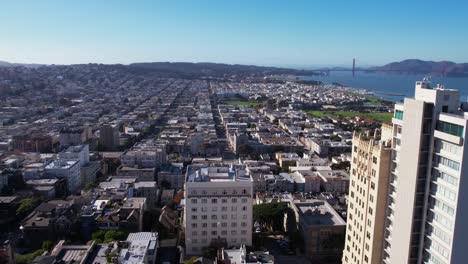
{"points": [[317, 213], [61, 164], [231, 173]]}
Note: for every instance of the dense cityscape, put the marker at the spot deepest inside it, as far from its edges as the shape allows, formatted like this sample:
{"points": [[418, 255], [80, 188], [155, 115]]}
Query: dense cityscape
{"points": [[233, 132], [101, 164]]}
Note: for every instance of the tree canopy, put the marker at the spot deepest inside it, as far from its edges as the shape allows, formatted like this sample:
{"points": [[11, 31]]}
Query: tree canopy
{"points": [[271, 214]]}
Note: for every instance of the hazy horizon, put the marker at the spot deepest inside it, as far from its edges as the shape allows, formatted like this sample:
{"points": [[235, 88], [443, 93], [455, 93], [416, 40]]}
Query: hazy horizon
{"points": [[242, 32]]}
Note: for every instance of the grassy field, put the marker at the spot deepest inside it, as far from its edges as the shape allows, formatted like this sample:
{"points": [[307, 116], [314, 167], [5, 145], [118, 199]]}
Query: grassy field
{"points": [[380, 117], [373, 100], [241, 103]]}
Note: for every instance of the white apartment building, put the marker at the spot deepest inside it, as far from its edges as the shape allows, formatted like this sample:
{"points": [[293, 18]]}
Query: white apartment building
{"points": [[427, 212], [69, 169], [218, 207], [80, 153], [88, 169]]}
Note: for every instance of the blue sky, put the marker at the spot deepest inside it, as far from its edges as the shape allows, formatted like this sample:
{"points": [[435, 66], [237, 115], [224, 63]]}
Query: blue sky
{"points": [[327, 32]]}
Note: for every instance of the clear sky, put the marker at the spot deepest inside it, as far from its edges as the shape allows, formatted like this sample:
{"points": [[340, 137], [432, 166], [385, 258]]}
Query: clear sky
{"points": [[287, 32]]}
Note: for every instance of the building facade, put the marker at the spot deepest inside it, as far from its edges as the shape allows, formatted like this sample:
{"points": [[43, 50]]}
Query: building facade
{"points": [[218, 208], [426, 182], [68, 169], [370, 171]]}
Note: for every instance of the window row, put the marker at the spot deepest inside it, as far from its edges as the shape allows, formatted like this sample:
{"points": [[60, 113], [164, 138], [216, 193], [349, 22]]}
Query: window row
{"points": [[215, 217], [215, 200], [215, 225], [216, 233]]}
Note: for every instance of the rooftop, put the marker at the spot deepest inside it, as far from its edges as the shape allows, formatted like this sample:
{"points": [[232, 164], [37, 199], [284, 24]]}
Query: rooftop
{"points": [[317, 213], [141, 244], [204, 173], [61, 164]]}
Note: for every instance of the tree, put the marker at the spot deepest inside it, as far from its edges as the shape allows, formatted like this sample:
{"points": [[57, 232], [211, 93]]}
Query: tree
{"points": [[27, 258], [271, 214], [47, 245], [102, 236], [27, 206], [113, 235], [98, 236]]}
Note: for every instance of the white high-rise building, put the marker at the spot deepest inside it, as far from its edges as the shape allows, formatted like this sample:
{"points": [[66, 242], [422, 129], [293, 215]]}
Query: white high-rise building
{"points": [[68, 169], [80, 153], [218, 207], [427, 216]]}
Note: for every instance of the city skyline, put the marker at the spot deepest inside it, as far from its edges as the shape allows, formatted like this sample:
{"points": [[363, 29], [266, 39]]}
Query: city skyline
{"points": [[262, 33]]}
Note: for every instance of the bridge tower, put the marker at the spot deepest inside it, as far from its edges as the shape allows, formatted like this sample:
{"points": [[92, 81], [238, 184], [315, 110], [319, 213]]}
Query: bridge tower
{"points": [[354, 66]]}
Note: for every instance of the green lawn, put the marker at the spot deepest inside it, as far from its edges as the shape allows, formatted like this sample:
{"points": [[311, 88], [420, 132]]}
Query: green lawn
{"points": [[383, 117], [373, 100], [241, 103]]}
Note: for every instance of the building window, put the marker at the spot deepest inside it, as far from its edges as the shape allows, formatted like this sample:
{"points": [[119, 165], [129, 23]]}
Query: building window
{"points": [[194, 201], [214, 200], [448, 162], [399, 114], [452, 129]]}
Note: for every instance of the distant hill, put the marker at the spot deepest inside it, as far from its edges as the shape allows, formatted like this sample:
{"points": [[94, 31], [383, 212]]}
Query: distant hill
{"points": [[188, 69], [452, 69], [9, 64]]}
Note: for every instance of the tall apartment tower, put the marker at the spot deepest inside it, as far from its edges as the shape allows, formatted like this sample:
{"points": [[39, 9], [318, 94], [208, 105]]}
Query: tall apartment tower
{"points": [[218, 207], [427, 216], [370, 171]]}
